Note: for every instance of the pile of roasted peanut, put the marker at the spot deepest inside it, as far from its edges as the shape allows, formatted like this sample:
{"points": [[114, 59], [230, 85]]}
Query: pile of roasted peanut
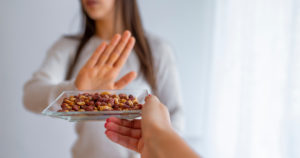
{"points": [[100, 102]]}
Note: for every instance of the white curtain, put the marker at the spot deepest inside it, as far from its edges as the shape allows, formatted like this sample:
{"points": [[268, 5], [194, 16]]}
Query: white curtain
{"points": [[254, 103]]}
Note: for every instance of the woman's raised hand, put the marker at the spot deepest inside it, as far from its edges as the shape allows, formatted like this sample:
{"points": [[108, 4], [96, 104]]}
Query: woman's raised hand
{"points": [[103, 67]]}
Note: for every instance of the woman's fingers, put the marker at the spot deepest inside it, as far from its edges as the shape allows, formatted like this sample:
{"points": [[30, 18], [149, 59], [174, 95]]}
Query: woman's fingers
{"points": [[104, 56], [95, 56], [136, 124], [125, 80], [128, 142], [119, 48], [134, 133], [124, 55]]}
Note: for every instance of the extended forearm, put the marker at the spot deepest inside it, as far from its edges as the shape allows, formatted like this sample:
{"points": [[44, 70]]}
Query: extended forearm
{"points": [[170, 144], [38, 94]]}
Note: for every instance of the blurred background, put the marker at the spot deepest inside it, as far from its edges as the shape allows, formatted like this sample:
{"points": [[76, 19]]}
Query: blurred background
{"points": [[239, 64]]}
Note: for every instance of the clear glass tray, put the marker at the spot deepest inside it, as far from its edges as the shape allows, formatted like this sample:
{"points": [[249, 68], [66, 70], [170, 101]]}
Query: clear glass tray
{"points": [[52, 109]]}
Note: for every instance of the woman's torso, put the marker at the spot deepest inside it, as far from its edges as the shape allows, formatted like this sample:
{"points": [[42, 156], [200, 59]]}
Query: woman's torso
{"points": [[92, 141]]}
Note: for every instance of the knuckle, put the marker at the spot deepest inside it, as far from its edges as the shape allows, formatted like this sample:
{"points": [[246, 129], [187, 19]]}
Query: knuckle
{"points": [[118, 50], [115, 55]]}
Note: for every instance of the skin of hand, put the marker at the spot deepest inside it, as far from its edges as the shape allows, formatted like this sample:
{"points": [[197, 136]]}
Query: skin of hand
{"points": [[152, 136], [103, 67], [155, 120]]}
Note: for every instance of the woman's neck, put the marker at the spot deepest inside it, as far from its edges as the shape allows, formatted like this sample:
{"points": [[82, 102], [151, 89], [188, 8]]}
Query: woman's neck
{"points": [[108, 27]]}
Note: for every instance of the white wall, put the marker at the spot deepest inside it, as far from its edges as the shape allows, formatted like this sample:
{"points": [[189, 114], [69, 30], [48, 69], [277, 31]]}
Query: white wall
{"points": [[187, 26], [27, 30]]}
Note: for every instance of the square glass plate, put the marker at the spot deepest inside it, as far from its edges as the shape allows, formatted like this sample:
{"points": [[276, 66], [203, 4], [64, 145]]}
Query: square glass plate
{"points": [[52, 109]]}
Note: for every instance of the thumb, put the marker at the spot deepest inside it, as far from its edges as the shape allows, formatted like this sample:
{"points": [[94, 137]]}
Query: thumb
{"points": [[152, 99], [151, 102]]}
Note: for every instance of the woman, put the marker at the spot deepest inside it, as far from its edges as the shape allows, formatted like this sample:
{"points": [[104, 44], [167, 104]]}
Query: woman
{"points": [[88, 62]]}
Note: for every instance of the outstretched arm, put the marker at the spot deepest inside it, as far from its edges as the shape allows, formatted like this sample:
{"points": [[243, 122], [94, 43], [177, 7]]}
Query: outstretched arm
{"points": [[100, 72], [153, 136]]}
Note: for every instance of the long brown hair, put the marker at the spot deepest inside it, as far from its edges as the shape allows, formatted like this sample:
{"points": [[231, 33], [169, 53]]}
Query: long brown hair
{"points": [[132, 22]]}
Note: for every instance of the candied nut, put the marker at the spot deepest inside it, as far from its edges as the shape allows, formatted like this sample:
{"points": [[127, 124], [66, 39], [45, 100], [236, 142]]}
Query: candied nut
{"points": [[83, 106], [105, 108], [64, 106], [123, 100], [135, 108], [66, 110], [116, 100], [105, 93], [131, 97], [68, 107], [86, 101], [75, 107], [135, 102], [80, 103], [100, 99], [91, 103], [129, 102], [123, 96], [81, 110], [126, 106], [115, 106], [95, 97], [115, 96], [140, 106], [98, 103], [103, 104], [82, 97], [86, 94], [103, 99], [111, 101], [89, 108], [67, 101]]}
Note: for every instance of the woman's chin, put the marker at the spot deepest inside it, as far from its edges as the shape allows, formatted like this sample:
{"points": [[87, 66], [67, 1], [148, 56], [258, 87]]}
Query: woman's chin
{"points": [[97, 16]]}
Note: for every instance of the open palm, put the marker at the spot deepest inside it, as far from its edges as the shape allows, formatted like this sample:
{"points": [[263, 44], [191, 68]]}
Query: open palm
{"points": [[103, 67], [128, 134]]}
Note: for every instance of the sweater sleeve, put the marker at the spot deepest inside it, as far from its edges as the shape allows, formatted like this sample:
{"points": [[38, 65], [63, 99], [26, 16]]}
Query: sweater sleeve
{"points": [[168, 84], [49, 80]]}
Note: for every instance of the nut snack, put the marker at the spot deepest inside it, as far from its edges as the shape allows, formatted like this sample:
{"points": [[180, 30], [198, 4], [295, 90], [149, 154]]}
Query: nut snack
{"points": [[104, 101]]}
